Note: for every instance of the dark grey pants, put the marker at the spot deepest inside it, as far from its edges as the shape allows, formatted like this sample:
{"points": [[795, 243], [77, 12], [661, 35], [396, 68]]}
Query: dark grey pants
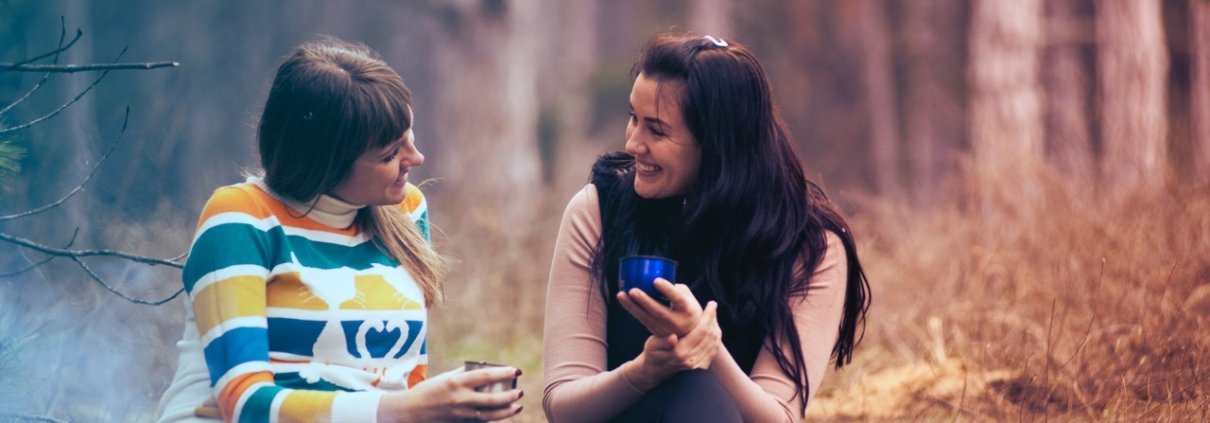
{"points": [[692, 396]]}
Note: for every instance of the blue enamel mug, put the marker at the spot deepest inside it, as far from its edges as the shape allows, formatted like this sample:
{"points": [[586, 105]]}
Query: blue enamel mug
{"points": [[640, 272]]}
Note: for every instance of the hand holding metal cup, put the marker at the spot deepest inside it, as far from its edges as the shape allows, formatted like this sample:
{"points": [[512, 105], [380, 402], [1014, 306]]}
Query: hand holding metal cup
{"points": [[493, 387]]}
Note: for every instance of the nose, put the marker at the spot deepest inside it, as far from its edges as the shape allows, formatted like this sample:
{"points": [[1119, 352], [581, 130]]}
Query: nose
{"points": [[634, 146], [412, 157]]}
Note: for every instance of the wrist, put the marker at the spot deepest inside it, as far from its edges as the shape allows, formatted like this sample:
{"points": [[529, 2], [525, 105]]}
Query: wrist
{"points": [[639, 375], [393, 408]]}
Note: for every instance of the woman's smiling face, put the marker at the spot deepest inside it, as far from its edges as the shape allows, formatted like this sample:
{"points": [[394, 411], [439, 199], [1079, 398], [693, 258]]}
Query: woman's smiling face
{"points": [[379, 177], [667, 157]]}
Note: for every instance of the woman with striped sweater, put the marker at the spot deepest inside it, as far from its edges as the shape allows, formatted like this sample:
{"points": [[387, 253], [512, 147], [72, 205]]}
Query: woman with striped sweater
{"points": [[309, 283]]}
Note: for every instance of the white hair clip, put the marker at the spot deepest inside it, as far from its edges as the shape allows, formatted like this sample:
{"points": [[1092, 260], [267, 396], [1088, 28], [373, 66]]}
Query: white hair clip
{"points": [[717, 41]]}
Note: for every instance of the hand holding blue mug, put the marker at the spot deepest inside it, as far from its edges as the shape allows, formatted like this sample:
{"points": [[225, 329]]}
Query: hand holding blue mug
{"points": [[640, 272], [660, 304]]}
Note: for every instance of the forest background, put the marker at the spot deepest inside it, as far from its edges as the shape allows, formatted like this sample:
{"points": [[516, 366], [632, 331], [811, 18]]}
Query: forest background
{"points": [[1028, 182]]}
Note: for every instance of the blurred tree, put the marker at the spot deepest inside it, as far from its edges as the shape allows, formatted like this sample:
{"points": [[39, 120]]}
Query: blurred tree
{"points": [[489, 57], [1132, 69], [1199, 13], [1067, 78], [1006, 103], [880, 89], [934, 41], [711, 17]]}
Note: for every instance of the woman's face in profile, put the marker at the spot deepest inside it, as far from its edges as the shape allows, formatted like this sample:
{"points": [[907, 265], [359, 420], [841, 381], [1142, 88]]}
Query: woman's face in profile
{"points": [[379, 177], [667, 157]]}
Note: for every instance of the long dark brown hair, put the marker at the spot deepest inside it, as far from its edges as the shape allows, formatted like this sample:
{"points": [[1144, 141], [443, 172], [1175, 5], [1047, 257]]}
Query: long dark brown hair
{"points": [[750, 216], [331, 101]]}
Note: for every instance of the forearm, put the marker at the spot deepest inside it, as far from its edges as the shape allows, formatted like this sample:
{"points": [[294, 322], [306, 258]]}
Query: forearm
{"points": [[754, 402], [590, 398]]}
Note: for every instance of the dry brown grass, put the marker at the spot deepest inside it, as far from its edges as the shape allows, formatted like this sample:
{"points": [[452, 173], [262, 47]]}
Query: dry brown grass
{"points": [[1034, 301]]}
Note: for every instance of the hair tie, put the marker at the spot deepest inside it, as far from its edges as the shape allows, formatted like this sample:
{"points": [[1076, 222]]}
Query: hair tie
{"points": [[717, 41]]}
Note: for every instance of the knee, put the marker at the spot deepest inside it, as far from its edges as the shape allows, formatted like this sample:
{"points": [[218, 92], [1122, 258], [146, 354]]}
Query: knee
{"points": [[697, 384]]}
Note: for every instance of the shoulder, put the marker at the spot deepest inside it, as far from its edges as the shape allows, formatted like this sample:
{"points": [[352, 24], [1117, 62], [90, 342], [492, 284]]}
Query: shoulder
{"points": [[245, 198], [583, 213], [584, 205], [834, 259]]}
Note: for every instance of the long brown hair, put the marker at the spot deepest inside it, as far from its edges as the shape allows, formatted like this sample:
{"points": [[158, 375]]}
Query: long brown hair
{"points": [[331, 101]]}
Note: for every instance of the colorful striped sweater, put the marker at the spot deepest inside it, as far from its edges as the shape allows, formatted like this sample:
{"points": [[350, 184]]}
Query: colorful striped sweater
{"points": [[300, 321]]}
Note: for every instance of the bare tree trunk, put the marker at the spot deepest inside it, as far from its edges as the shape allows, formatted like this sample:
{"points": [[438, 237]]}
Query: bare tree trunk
{"points": [[1133, 65], [1068, 88], [1006, 105], [486, 108], [880, 90], [566, 94], [711, 17], [1199, 12], [934, 127], [488, 105]]}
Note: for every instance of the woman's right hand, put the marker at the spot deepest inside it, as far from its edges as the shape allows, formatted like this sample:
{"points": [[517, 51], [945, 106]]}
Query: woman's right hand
{"points": [[664, 356], [451, 397]]}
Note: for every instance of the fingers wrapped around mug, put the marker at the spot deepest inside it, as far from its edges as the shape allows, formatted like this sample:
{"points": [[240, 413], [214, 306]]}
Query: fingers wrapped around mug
{"points": [[677, 317]]}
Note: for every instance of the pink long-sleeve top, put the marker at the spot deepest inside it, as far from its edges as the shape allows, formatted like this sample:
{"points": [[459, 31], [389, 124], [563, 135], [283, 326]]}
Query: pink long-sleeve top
{"points": [[579, 388]]}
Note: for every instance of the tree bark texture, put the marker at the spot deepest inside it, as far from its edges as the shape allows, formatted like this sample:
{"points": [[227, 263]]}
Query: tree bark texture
{"points": [[1132, 62], [1068, 89], [880, 91], [1199, 13], [1006, 102], [933, 95], [711, 17]]}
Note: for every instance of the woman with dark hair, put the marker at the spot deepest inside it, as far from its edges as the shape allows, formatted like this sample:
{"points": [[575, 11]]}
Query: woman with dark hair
{"points": [[309, 284], [709, 178]]}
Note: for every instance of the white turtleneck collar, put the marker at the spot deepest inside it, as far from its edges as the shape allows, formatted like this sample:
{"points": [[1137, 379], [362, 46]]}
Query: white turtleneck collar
{"points": [[328, 210]]}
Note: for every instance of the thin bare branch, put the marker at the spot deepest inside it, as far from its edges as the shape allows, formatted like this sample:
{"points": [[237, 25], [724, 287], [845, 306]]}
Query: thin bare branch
{"points": [[33, 266], [65, 105], [62, 48], [101, 281], [79, 187], [13, 67], [45, 77], [75, 254], [28, 418], [36, 86]]}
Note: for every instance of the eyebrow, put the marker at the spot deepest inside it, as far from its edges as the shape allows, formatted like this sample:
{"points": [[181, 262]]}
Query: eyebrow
{"points": [[390, 148], [654, 120]]}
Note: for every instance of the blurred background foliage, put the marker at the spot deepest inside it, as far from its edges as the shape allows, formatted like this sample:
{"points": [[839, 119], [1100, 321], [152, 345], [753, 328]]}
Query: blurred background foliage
{"points": [[1028, 179]]}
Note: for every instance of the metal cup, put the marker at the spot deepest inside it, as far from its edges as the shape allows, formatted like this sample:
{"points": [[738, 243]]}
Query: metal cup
{"points": [[640, 272], [493, 387]]}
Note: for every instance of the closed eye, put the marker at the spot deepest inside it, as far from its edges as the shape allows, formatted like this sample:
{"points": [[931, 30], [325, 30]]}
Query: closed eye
{"points": [[394, 153]]}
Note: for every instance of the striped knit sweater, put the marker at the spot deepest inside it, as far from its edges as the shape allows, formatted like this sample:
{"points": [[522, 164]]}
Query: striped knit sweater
{"points": [[298, 320]]}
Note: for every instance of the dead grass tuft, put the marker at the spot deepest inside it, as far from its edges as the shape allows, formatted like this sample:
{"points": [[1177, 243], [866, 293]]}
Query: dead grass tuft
{"points": [[1067, 299]]}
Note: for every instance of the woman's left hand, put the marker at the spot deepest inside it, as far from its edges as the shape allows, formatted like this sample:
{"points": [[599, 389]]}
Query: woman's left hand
{"points": [[677, 318], [664, 356]]}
